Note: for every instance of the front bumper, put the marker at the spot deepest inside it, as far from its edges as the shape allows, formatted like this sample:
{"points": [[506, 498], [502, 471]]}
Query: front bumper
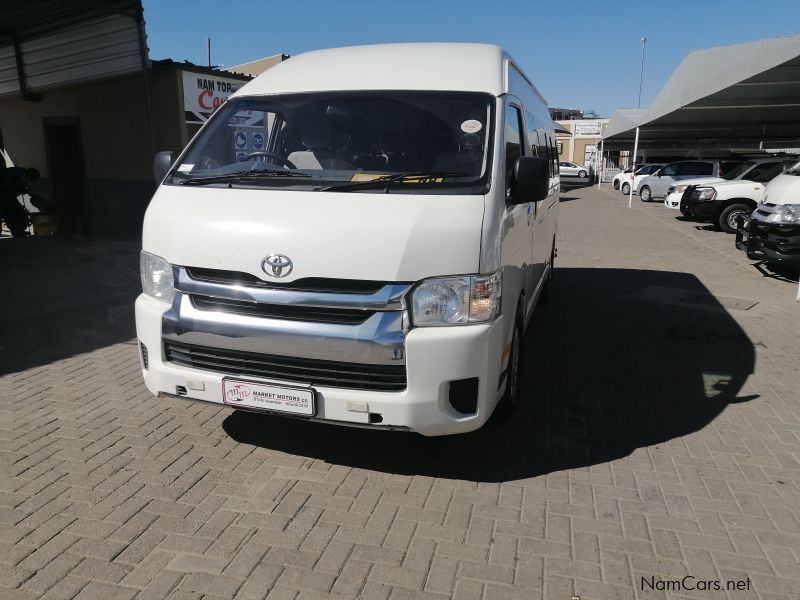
{"points": [[673, 200], [434, 357], [772, 242], [703, 210]]}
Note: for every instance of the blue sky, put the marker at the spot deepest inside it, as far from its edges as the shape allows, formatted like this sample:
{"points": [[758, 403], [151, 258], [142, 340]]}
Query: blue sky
{"points": [[579, 54]]}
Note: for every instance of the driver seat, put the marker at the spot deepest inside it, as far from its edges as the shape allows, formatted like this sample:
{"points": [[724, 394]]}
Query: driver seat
{"points": [[318, 139]]}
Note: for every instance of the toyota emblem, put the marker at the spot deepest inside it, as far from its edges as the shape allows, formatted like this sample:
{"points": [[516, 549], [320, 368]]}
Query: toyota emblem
{"points": [[277, 265]]}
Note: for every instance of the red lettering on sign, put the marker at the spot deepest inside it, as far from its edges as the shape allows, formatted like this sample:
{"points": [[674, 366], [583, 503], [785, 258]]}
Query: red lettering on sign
{"points": [[203, 96]]}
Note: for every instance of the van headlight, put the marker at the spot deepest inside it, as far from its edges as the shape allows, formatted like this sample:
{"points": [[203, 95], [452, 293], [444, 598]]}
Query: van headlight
{"points": [[157, 280], [789, 213], [456, 300]]}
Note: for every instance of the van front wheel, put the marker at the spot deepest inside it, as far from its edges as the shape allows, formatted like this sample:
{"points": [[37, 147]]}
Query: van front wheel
{"points": [[507, 404]]}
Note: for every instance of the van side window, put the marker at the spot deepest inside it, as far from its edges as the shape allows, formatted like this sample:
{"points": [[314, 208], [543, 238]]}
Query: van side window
{"points": [[533, 135], [513, 135], [554, 155]]}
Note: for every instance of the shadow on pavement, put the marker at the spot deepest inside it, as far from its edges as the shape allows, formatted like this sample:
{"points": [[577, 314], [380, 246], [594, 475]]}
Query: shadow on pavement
{"points": [[788, 273], [64, 297], [613, 364]]}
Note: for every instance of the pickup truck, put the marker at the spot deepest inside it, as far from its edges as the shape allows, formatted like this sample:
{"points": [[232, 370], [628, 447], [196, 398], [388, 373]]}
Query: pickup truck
{"points": [[772, 232], [721, 203]]}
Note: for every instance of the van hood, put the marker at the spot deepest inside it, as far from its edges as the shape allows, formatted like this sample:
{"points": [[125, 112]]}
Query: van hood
{"points": [[784, 189], [368, 236]]}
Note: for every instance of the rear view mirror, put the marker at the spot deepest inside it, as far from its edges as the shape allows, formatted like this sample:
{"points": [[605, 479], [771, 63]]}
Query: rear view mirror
{"points": [[161, 164], [531, 179]]}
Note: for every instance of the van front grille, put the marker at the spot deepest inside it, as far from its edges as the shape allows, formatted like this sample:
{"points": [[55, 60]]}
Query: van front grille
{"points": [[307, 284], [344, 316], [323, 373]]}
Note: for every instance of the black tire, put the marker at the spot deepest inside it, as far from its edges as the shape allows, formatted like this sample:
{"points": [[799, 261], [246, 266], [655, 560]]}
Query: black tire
{"points": [[646, 194], [616, 184], [581, 173], [507, 404], [728, 219], [626, 188]]}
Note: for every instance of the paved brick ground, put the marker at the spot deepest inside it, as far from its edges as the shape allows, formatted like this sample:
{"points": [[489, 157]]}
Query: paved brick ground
{"points": [[659, 438]]}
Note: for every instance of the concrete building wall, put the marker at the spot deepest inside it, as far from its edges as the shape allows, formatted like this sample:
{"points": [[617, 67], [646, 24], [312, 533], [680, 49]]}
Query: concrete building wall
{"points": [[114, 142]]}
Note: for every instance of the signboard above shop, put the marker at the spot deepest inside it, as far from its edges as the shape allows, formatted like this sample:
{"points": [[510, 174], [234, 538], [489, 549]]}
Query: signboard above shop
{"points": [[203, 94], [587, 129]]}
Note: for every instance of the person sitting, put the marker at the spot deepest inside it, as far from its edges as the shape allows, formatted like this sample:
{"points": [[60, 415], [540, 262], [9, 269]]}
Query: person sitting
{"points": [[13, 183]]}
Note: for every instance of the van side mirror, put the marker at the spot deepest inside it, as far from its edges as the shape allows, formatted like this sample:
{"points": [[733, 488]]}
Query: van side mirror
{"points": [[161, 164], [531, 180]]}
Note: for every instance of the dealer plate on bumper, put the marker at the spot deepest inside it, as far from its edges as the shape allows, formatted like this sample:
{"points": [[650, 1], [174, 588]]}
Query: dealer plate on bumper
{"points": [[265, 396]]}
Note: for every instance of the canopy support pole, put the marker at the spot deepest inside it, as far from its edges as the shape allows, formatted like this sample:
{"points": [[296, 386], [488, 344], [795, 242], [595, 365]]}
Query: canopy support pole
{"points": [[600, 166], [633, 167]]}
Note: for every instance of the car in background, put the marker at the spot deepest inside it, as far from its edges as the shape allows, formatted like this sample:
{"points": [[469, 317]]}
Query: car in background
{"points": [[658, 184], [723, 202], [620, 177], [761, 170], [570, 169], [641, 173], [772, 232]]}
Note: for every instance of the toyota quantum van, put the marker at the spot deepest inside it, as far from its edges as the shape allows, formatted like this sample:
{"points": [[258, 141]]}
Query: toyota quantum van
{"points": [[358, 236]]}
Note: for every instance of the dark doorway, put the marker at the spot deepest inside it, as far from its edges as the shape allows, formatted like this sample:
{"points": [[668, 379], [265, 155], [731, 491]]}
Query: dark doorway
{"points": [[67, 175]]}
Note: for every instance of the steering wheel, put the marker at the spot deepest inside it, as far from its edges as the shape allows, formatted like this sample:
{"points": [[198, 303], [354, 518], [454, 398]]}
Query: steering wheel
{"points": [[270, 155]]}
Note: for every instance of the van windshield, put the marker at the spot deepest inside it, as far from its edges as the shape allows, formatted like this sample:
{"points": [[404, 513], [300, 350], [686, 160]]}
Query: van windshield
{"points": [[438, 142]]}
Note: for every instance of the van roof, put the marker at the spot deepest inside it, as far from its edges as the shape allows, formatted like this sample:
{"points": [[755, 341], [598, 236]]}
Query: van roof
{"points": [[430, 66]]}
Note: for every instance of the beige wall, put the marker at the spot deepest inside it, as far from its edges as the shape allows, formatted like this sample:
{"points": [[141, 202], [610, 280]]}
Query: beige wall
{"points": [[115, 143], [566, 145], [113, 123], [23, 131], [580, 149]]}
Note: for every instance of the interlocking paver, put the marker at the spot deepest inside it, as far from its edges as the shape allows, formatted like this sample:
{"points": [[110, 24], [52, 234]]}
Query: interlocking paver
{"points": [[658, 438]]}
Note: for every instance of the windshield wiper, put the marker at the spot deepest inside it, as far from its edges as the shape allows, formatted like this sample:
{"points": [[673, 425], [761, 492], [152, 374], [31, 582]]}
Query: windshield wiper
{"points": [[384, 181], [238, 176]]}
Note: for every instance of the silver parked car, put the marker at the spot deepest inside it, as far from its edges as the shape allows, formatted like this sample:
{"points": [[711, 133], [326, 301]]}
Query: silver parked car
{"points": [[570, 169]]}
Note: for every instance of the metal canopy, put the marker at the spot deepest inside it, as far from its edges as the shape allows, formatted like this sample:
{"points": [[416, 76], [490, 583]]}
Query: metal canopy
{"points": [[50, 43], [740, 94]]}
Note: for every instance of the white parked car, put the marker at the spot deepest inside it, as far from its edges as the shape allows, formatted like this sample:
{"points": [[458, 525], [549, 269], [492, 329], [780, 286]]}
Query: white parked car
{"points": [[620, 177], [641, 173], [375, 261], [772, 232], [570, 169], [762, 170]]}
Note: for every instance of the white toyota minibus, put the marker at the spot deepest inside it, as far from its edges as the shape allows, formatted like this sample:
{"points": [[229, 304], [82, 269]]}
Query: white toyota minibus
{"points": [[357, 236]]}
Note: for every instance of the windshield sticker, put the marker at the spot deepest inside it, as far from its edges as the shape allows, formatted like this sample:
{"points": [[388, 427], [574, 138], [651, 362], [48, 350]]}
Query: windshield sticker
{"points": [[184, 168], [367, 176], [403, 179], [471, 126]]}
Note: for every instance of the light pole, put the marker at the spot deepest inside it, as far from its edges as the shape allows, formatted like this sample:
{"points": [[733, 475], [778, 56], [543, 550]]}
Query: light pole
{"points": [[643, 41]]}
